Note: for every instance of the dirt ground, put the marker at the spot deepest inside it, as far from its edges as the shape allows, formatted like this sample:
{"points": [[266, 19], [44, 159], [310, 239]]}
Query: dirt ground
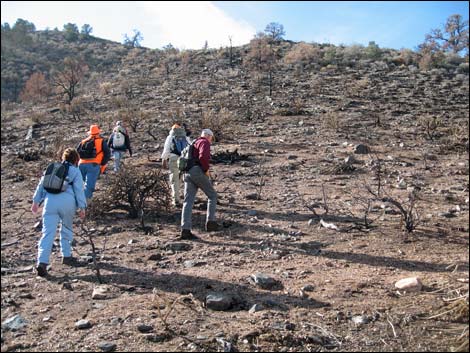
{"points": [[337, 285]]}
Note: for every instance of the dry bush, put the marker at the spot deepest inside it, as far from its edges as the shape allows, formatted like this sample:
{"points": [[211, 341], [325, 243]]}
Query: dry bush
{"points": [[455, 310], [295, 107], [77, 108], [303, 53], [36, 89], [430, 126], [118, 102], [106, 88], [408, 209], [455, 138], [331, 120], [38, 117], [139, 192], [221, 122]]}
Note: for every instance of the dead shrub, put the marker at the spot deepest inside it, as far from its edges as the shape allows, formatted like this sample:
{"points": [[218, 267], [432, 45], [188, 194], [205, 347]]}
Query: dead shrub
{"points": [[139, 192], [331, 120], [106, 87], [220, 122], [38, 117], [455, 138], [430, 126]]}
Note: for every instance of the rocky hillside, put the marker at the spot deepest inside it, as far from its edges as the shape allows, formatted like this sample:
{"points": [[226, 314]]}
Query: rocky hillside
{"points": [[309, 258]]}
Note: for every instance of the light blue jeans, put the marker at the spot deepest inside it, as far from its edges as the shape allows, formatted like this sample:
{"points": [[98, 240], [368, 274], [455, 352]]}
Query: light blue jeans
{"points": [[58, 208], [193, 180], [117, 159], [90, 173]]}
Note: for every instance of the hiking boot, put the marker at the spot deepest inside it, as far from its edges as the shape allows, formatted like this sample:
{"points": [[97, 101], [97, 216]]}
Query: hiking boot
{"points": [[41, 269], [212, 226], [71, 261], [186, 234]]}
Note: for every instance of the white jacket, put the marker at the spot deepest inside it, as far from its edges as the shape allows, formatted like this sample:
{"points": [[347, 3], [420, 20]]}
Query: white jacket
{"points": [[167, 148]]}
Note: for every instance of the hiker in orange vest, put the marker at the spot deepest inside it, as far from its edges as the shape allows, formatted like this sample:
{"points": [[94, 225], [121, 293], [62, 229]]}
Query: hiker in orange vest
{"points": [[94, 155]]}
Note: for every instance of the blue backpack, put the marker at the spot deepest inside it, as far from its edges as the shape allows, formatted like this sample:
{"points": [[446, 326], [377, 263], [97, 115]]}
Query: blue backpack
{"points": [[179, 142]]}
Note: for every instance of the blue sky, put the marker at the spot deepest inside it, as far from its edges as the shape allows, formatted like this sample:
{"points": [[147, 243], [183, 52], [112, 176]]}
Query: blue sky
{"points": [[187, 25]]}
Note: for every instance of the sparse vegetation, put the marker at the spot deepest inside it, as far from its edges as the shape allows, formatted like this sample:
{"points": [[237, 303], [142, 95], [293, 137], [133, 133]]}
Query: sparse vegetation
{"points": [[327, 102]]}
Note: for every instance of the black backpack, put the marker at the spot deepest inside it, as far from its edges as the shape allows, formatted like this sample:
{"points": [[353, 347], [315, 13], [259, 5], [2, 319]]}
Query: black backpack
{"points": [[55, 178], [87, 149], [186, 160]]}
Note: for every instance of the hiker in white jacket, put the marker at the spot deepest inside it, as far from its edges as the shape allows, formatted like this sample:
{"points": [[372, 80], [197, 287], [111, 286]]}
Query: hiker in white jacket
{"points": [[175, 142]]}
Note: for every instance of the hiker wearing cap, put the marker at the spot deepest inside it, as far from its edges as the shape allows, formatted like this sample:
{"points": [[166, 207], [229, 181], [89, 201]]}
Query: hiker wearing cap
{"points": [[175, 142], [198, 178], [94, 155], [59, 208], [119, 142]]}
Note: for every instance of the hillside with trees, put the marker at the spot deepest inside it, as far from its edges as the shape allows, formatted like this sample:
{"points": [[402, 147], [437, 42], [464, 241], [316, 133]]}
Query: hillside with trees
{"points": [[340, 170]]}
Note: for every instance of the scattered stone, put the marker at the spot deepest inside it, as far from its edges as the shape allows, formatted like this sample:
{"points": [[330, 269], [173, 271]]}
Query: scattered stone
{"points": [[219, 301], [350, 160], [100, 292], [226, 346], [178, 246], [362, 149], [360, 319], [155, 257], [266, 282], [83, 324], [193, 263], [255, 308], [308, 288], [107, 346], [252, 196], [67, 285], [402, 184], [410, 284], [156, 338], [14, 323], [143, 328]]}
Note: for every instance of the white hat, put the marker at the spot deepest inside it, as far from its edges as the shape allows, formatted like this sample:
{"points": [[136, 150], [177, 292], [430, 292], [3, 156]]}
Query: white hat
{"points": [[207, 132], [118, 123]]}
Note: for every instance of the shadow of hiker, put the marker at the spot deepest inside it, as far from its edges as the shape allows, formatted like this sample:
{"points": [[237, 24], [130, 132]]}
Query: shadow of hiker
{"points": [[244, 295], [385, 261]]}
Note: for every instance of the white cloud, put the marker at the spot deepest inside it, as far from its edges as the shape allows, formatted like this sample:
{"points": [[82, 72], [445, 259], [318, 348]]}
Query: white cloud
{"points": [[188, 24]]}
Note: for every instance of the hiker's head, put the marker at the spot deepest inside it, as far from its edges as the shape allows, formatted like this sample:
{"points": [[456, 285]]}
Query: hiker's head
{"points": [[186, 128], [71, 155], [118, 123], [176, 126], [94, 130], [208, 134]]}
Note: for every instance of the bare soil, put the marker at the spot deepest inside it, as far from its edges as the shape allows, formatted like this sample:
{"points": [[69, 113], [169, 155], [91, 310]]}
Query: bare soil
{"points": [[271, 205]]}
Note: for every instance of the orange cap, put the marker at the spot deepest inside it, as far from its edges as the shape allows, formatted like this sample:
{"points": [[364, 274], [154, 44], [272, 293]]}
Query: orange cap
{"points": [[94, 130]]}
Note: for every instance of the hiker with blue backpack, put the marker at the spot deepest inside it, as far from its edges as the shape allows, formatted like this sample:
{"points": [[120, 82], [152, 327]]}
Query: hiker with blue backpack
{"points": [[119, 143], [175, 142], [61, 190]]}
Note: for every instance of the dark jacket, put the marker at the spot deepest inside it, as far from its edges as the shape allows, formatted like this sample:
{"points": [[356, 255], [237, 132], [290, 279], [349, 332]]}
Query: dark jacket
{"points": [[106, 153], [127, 144]]}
